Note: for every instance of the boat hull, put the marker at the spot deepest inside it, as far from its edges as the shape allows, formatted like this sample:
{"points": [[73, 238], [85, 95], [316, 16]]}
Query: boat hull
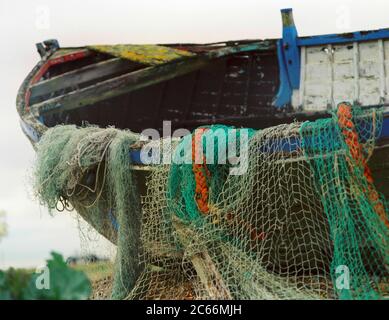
{"points": [[253, 84]]}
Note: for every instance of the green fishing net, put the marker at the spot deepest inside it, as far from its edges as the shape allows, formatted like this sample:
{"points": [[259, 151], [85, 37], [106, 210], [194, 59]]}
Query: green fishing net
{"points": [[359, 236], [88, 169], [303, 220]]}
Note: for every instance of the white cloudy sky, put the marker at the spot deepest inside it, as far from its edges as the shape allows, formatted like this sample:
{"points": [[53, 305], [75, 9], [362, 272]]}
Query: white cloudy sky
{"points": [[32, 233]]}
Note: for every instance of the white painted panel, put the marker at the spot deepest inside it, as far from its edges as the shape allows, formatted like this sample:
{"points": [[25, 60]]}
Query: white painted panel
{"points": [[386, 98], [315, 71], [369, 91], [343, 71], [369, 73], [316, 55], [317, 88], [386, 47], [310, 103], [343, 90], [369, 69], [343, 53], [353, 72], [368, 51]]}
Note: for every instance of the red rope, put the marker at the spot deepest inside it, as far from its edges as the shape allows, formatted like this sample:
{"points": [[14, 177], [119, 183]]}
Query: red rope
{"points": [[352, 141], [201, 172], [202, 175]]}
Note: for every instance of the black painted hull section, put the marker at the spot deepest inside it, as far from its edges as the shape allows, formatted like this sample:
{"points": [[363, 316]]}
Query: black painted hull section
{"points": [[232, 90]]}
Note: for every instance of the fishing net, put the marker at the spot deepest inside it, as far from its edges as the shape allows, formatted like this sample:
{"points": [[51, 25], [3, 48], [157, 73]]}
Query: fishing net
{"points": [[288, 212], [88, 169]]}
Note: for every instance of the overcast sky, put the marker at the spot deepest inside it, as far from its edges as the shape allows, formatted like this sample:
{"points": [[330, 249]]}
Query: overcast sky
{"points": [[32, 232]]}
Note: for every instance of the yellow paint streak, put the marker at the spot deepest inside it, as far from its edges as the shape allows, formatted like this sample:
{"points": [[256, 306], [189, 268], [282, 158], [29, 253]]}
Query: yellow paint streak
{"points": [[145, 54]]}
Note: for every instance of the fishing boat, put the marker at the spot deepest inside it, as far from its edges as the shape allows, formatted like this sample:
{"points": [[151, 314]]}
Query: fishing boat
{"points": [[245, 83]]}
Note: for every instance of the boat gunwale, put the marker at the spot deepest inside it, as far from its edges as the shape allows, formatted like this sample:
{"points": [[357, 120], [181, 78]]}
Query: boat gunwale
{"points": [[52, 58]]}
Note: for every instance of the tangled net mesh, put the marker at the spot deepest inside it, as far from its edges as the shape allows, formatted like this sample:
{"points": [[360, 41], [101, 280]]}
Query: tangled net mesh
{"points": [[303, 216], [88, 169]]}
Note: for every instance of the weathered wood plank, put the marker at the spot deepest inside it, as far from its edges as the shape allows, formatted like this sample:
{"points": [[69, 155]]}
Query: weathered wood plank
{"points": [[76, 77], [120, 85], [206, 270], [135, 80]]}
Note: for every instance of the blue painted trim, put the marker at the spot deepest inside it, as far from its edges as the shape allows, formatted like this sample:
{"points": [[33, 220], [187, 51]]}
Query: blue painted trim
{"points": [[288, 54], [135, 156], [291, 55], [30, 131], [344, 38], [284, 94], [289, 145], [385, 129], [41, 119]]}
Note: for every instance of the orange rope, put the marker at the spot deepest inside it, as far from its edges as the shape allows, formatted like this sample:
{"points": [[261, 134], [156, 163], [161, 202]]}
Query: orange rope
{"points": [[201, 172], [352, 141]]}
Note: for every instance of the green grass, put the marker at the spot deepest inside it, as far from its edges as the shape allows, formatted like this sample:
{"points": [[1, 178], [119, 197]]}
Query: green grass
{"points": [[96, 271]]}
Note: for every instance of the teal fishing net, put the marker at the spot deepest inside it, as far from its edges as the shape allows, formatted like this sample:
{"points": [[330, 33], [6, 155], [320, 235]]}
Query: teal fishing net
{"points": [[300, 219]]}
